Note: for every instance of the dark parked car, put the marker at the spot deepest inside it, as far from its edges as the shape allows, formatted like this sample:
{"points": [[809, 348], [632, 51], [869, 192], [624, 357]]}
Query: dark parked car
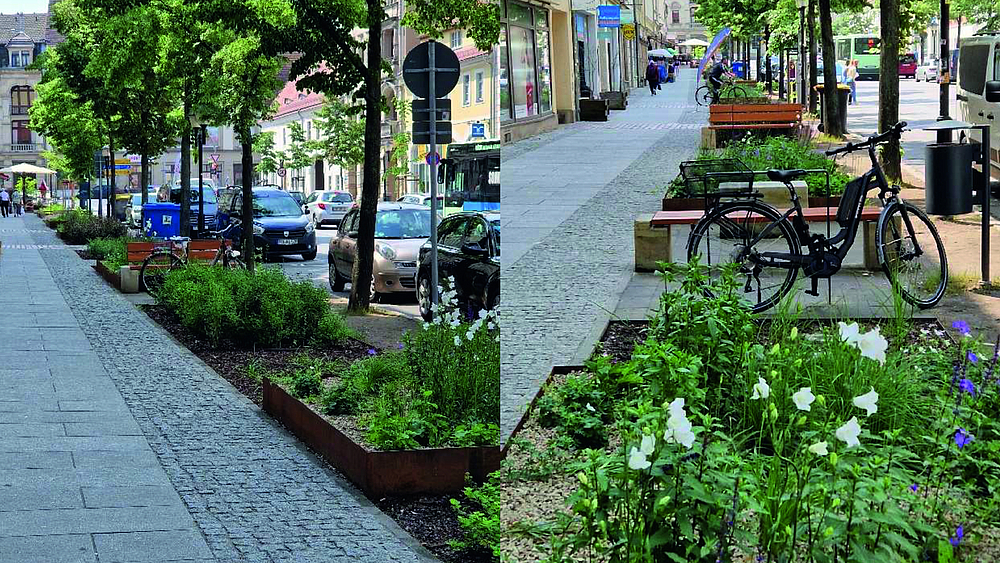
{"points": [[172, 194], [279, 226], [468, 250]]}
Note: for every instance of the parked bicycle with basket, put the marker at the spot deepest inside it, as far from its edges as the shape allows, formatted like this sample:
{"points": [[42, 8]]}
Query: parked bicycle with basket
{"points": [[767, 244], [158, 264]]}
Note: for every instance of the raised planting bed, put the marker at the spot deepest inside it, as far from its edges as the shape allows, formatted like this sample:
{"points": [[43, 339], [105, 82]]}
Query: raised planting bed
{"points": [[379, 473]]}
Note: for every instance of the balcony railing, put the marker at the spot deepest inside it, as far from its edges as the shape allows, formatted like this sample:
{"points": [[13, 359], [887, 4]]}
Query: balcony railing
{"points": [[22, 147]]}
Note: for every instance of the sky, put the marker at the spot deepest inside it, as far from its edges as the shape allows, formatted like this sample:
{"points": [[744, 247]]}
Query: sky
{"points": [[25, 6]]}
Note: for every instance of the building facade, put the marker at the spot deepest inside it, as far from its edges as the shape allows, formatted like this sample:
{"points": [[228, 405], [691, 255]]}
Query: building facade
{"points": [[22, 39]]}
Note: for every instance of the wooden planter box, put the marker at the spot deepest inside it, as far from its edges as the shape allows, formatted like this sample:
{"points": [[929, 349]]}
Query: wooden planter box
{"points": [[378, 474], [775, 194], [594, 110], [616, 100]]}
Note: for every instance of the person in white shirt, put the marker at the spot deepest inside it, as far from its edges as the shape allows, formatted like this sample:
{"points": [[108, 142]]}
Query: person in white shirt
{"points": [[4, 203]]}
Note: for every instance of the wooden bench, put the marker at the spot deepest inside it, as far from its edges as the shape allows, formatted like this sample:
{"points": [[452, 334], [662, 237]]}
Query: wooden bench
{"points": [[754, 116], [139, 251], [654, 239]]}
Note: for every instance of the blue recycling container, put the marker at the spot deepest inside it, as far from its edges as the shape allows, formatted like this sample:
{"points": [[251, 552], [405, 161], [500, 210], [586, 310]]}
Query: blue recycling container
{"points": [[739, 70], [164, 219]]}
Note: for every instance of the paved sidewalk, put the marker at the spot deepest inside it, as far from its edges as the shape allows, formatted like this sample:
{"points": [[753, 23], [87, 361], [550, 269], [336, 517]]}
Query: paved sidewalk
{"points": [[569, 199], [116, 444]]}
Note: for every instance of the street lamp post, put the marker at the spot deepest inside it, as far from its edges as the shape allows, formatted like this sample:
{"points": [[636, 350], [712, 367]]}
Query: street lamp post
{"points": [[944, 72], [199, 133], [800, 71]]}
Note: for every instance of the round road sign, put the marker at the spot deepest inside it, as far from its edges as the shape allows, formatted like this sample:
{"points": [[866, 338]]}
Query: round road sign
{"points": [[281, 172], [433, 158], [416, 72]]}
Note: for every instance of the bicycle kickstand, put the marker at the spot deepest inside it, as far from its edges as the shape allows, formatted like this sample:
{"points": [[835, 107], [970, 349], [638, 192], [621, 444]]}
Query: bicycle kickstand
{"points": [[815, 287]]}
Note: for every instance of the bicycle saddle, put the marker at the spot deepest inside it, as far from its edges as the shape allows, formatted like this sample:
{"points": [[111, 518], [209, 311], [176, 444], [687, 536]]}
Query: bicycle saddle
{"points": [[785, 175]]}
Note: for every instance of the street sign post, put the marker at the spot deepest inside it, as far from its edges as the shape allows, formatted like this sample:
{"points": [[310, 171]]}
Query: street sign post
{"points": [[430, 70]]}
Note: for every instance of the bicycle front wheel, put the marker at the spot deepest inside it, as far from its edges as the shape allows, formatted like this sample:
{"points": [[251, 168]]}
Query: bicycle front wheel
{"points": [[730, 234], [736, 93], [912, 255], [703, 95], [155, 268]]}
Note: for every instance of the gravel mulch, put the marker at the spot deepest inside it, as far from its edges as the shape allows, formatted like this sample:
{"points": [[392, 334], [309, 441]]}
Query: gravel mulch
{"points": [[431, 520]]}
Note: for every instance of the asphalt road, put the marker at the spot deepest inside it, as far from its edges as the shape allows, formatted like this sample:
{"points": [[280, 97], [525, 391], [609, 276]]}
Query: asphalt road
{"points": [[316, 272], [919, 106]]}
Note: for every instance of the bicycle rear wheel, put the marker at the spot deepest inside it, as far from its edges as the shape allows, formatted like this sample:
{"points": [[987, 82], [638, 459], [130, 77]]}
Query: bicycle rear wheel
{"points": [[912, 255], [155, 268], [727, 235]]}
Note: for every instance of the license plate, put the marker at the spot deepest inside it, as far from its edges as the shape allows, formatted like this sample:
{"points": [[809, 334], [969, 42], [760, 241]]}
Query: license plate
{"points": [[287, 241]]}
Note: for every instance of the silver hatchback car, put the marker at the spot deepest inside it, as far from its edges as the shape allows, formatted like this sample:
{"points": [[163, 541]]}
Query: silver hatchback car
{"points": [[328, 207]]}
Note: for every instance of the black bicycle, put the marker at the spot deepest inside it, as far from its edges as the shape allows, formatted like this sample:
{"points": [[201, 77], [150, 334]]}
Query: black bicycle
{"points": [[157, 265], [767, 244]]}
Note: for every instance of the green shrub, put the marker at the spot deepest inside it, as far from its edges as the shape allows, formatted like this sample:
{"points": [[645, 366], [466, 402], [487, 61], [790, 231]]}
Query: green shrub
{"points": [[261, 309], [481, 521], [306, 383], [80, 227], [51, 209], [365, 378]]}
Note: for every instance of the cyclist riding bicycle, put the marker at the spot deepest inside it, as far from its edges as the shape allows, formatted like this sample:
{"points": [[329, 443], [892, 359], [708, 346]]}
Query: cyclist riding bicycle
{"points": [[720, 69]]}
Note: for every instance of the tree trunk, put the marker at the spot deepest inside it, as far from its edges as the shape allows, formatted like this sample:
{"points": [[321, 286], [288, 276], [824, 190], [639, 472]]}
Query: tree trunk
{"points": [[246, 229], [112, 173], [781, 74], [831, 109], [811, 22], [143, 174], [365, 255], [185, 216], [888, 86]]}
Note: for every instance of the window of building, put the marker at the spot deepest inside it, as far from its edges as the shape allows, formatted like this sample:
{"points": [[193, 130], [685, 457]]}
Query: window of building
{"points": [[456, 39], [20, 99], [479, 86], [20, 134], [20, 59], [675, 13], [465, 89], [694, 10], [525, 75]]}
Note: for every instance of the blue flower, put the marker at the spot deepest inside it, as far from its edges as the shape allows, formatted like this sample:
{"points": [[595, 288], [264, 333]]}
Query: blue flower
{"points": [[961, 326], [400, 346], [959, 534], [371, 352], [914, 487], [961, 439], [968, 386], [972, 357]]}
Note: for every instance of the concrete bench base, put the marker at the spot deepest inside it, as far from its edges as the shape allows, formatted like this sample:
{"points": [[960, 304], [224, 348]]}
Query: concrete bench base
{"points": [[655, 244]]}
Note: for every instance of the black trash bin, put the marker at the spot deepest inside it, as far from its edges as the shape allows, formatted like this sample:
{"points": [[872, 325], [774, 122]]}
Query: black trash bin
{"points": [[843, 95], [948, 177]]}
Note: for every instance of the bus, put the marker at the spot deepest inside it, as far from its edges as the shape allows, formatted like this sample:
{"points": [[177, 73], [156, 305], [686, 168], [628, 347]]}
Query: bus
{"points": [[864, 48], [470, 176]]}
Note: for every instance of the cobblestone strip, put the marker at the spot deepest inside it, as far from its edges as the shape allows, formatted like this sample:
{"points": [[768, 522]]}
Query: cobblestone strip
{"points": [[256, 493], [558, 296]]}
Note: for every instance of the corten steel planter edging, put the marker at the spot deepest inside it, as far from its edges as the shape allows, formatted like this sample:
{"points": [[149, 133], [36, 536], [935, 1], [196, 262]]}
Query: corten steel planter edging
{"points": [[378, 473], [109, 276]]}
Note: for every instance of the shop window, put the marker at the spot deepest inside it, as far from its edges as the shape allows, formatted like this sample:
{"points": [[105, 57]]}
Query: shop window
{"points": [[20, 134], [675, 13], [505, 110], [465, 90]]}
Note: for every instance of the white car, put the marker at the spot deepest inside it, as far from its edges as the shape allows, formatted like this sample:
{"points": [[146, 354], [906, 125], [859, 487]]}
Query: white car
{"points": [[926, 72], [423, 198], [328, 207]]}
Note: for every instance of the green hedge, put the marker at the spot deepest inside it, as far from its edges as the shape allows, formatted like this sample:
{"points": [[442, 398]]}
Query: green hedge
{"points": [[80, 227], [251, 310]]}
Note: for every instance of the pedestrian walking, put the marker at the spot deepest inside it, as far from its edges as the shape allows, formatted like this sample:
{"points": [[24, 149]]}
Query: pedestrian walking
{"points": [[16, 201], [652, 77], [851, 77], [4, 203], [662, 68]]}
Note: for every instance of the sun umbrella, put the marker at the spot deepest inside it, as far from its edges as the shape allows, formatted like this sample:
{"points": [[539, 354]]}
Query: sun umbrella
{"points": [[659, 53], [25, 168], [695, 43], [719, 38]]}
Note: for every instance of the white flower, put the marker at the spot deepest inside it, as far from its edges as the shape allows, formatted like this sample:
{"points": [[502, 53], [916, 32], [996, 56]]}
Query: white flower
{"points": [[678, 426], [761, 390], [848, 433], [637, 460], [482, 314], [455, 323], [803, 398], [849, 332], [873, 345], [819, 448], [458, 341], [591, 408], [868, 401]]}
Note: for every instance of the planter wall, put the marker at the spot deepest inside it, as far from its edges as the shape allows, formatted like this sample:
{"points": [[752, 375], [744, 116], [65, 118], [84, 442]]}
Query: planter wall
{"points": [[109, 276], [125, 280], [594, 110], [775, 193], [378, 474]]}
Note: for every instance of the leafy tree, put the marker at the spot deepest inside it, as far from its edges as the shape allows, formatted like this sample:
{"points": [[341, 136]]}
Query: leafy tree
{"points": [[270, 159], [324, 37], [341, 133], [301, 152], [399, 161]]}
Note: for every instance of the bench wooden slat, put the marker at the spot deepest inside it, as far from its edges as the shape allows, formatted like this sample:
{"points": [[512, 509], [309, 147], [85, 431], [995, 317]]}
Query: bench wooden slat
{"points": [[757, 126], [811, 214], [742, 108], [784, 116]]}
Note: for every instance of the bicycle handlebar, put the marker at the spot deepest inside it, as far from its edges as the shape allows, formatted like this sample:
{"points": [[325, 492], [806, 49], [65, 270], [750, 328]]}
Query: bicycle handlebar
{"points": [[896, 131], [223, 231]]}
